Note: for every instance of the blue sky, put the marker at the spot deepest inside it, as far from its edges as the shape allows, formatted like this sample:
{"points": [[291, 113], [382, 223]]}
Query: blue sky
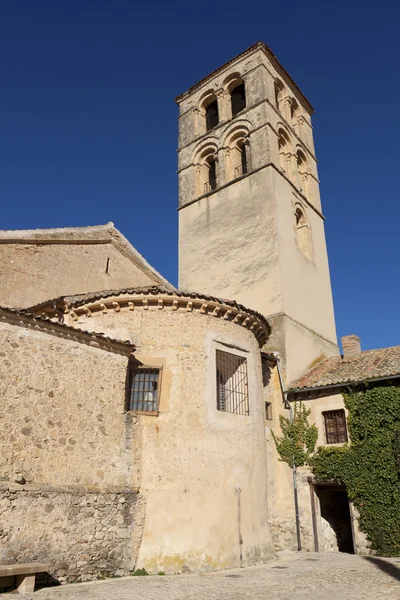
{"points": [[88, 128]]}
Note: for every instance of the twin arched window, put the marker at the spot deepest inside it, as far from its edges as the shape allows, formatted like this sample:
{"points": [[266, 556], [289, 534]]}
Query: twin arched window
{"points": [[230, 102]]}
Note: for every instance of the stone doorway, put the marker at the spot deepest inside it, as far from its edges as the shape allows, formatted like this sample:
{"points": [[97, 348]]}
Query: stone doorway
{"points": [[333, 531]]}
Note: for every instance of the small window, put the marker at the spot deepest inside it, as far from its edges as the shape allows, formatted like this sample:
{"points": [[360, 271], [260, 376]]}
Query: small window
{"points": [[232, 388], [212, 116], [212, 174], [238, 99], [335, 426], [268, 411], [143, 392]]}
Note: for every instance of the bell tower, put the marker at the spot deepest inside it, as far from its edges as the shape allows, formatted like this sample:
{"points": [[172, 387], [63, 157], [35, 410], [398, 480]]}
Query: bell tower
{"points": [[250, 222]]}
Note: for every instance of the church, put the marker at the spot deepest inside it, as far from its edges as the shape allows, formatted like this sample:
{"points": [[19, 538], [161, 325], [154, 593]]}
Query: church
{"points": [[137, 416]]}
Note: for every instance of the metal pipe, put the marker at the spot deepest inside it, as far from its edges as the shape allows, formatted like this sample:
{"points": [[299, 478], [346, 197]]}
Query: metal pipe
{"points": [[288, 406]]}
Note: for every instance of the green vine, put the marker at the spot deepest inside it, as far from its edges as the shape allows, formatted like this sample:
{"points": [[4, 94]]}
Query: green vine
{"points": [[369, 465], [297, 443]]}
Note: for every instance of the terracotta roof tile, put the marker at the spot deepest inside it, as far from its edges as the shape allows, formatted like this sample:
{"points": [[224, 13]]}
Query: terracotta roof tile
{"points": [[365, 366]]}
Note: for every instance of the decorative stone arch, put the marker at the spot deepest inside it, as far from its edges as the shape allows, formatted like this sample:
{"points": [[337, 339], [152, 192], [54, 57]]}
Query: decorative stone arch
{"points": [[235, 88], [236, 144], [303, 230], [205, 162]]}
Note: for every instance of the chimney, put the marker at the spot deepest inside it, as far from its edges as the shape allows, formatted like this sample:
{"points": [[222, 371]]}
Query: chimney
{"points": [[351, 346]]}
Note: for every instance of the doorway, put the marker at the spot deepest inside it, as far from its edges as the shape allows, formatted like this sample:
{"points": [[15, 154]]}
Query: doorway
{"points": [[336, 528]]}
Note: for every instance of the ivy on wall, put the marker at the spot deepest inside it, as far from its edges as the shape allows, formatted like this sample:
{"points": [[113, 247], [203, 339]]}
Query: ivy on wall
{"points": [[369, 466], [297, 443]]}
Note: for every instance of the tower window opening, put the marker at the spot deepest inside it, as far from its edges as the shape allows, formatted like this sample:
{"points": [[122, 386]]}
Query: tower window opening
{"points": [[211, 182], [303, 233], [212, 116], [238, 99], [212, 174], [242, 167]]}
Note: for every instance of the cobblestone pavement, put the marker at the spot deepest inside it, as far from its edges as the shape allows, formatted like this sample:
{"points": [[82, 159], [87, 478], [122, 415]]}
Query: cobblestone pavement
{"points": [[292, 576]]}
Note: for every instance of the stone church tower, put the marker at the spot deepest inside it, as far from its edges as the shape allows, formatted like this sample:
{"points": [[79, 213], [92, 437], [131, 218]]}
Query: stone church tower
{"points": [[250, 222]]}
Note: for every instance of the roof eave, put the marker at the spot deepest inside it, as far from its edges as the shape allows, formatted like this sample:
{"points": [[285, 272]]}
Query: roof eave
{"points": [[259, 45]]}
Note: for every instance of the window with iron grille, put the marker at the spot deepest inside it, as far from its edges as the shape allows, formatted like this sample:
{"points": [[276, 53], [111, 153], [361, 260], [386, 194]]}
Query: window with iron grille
{"points": [[232, 387], [335, 426], [144, 389]]}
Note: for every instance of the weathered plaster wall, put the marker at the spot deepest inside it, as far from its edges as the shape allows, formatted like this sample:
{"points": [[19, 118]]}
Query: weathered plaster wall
{"points": [[195, 457], [69, 456], [220, 238], [33, 273]]}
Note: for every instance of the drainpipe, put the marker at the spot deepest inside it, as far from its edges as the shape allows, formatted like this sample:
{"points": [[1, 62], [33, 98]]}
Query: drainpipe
{"points": [[288, 405]]}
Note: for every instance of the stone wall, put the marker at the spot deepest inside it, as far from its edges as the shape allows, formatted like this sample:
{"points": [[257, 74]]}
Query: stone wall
{"points": [[64, 418], [81, 534], [69, 456]]}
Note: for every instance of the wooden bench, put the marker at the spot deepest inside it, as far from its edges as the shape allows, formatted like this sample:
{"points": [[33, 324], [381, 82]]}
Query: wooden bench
{"points": [[24, 575]]}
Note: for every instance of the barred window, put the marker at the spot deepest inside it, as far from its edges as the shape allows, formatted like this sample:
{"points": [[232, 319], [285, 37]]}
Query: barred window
{"points": [[232, 388], [335, 426], [143, 391]]}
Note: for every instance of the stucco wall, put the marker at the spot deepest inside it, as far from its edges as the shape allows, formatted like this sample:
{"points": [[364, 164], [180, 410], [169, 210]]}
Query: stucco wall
{"points": [[34, 273], [195, 457]]}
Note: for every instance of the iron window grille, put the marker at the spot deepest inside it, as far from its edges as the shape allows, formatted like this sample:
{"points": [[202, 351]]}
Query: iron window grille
{"points": [[144, 389], [232, 384], [335, 426]]}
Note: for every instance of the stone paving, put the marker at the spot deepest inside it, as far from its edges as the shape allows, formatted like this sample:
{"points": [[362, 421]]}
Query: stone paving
{"points": [[292, 576]]}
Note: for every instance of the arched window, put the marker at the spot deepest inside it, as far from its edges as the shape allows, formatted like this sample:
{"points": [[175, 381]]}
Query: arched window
{"points": [[206, 168], [284, 150], [301, 161], [302, 170], [243, 156], [279, 89], [302, 232], [212, 116], [237, 152], [238, 99], [212, 175]]}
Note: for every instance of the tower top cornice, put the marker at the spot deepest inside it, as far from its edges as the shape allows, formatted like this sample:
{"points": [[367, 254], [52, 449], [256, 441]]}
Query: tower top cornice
{"points": [[251, 50]]}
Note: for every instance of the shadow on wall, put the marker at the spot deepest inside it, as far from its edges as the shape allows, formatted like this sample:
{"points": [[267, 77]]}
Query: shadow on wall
{"points": [[388, 567]]}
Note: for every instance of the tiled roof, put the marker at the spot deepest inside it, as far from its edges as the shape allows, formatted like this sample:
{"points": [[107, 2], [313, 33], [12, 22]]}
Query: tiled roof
{"points": [[153, 290], [362, 367], [45, 323], [162, 296]]}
